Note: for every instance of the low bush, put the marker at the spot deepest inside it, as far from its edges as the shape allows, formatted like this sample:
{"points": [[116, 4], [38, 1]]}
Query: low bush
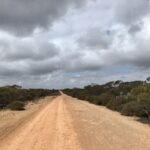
{"points": [[16, 105], [103, 99], [135, 108], [144, 97], [117, 103]]}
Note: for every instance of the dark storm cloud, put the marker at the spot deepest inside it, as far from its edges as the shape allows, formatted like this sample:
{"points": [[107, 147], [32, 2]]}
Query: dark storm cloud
{"points": [[23, 16]]}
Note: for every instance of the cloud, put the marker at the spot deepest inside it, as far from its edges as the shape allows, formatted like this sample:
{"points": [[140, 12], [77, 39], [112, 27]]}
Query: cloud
{"points": [[60, 45], [134, 28], [141, 54], [23, 17], [129, 12], [132, 50], [16, 49], [95, 39], [29, 56]]}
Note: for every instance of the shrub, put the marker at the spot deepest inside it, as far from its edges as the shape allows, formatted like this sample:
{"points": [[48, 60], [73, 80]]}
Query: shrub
{"points": [[135, 108], [117, 103], [145, 97], [16, 105], [104, 98], [135, 91], [95, 100]]}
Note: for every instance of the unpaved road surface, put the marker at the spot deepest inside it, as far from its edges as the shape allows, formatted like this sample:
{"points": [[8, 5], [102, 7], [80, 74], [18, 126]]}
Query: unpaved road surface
{"points": [[70, 124]]}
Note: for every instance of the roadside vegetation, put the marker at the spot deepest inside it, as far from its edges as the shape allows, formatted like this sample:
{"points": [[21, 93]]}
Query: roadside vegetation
{"points": [[128, 98], [15, 98]]}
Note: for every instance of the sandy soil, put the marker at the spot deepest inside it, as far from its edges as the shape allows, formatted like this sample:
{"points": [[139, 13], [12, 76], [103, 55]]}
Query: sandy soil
{"points": [[11, 120], [70, 124]]}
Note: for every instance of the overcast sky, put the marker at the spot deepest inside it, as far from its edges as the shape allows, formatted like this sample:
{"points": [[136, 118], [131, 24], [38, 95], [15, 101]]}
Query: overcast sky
{"points": [[72, 43]]}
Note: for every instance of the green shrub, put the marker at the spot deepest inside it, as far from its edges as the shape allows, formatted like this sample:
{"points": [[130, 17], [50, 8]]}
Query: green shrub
{"points": [[104, 98], [117, 103], [16, 105], [95, 100], [135, 91], [144, 97], [135, 108]]}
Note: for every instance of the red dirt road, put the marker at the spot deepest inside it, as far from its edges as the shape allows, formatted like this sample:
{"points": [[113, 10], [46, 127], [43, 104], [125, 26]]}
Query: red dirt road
{"points": [[69, 124]]}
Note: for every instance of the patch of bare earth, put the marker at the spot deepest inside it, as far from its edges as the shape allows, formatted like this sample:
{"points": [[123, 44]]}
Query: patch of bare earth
{"points": [[50, 129], [11, 120]]}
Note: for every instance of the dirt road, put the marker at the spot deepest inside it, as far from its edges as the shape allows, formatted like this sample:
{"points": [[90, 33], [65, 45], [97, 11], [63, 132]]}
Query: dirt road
{"points": [[69, 124]]}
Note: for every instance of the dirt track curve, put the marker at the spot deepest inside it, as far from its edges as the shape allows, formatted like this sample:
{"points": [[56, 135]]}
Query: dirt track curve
{"points": [[69, 124]]}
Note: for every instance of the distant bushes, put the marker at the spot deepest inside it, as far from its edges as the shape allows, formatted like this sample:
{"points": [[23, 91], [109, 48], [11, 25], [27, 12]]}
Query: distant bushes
{"points": [[16, 105], [128, 98], [104, 98], [10, 94]]}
